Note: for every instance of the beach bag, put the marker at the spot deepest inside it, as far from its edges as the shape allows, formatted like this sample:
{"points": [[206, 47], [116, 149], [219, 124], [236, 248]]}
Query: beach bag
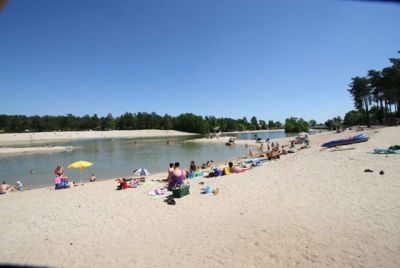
{"points": [[199, 174], [180, 191]]}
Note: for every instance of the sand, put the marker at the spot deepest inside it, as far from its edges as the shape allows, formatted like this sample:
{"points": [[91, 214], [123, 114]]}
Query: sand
{"points": [[310, 209], [31, 150], [9, 139]]}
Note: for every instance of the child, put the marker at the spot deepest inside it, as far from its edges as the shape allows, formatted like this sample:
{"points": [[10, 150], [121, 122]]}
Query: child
{"points": [[19, 186], [92, 178]]}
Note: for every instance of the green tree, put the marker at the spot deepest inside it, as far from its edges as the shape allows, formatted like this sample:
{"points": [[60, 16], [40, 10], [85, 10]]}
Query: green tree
{"points": [[167, 122], [295, 125], [278, 124], [95, 122], [360, 91], [108, 122], [254, 123], [334, 123], [263, 124]]}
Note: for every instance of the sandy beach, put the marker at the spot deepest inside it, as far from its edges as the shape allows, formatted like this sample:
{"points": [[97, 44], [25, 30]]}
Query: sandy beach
{"points": [[79, 135], [314, 208], [10, 139]]}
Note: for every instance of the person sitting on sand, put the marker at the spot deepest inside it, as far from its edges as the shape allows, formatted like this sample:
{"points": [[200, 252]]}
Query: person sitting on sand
{"points": [[6, 188], [192, 166], [92, 178], [292, 144], [283, 150], [192, 169], [170, 171], [276, 153], [210, 164], [57, 183], [62, 182], [19, 186], [177, 177]]}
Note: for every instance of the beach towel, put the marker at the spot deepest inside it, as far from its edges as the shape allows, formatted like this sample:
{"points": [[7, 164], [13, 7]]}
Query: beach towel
{"points": [[227, 171], [386, 151], [217, 172]]}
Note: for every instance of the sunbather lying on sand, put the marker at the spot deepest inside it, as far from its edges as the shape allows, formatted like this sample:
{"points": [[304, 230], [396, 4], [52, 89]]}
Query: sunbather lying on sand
{"points": [[236, 169], [123, 184]]}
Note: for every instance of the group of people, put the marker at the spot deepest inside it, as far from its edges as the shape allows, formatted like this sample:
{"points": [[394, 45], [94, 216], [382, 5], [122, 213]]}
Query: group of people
{"points": [[62, 182], [176, 175], [272, 150]]}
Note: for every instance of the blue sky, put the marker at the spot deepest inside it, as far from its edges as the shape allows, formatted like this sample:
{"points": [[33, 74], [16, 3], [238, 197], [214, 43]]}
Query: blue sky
{"points": [[271, 59]]}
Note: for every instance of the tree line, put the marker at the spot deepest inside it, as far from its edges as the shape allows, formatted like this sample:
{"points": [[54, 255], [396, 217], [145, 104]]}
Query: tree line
{"points": [[376, 96], [132, 121]]}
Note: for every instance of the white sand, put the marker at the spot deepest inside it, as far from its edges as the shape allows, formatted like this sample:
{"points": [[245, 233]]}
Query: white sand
{"points": [[311, 209], [9, 139], [40, 149], [79, 135]]}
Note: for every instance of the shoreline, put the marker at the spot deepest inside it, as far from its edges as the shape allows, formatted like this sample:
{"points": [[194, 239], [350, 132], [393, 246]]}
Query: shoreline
{"points": [[312, 208], [7, 141], [221, 140], [18, 138], [34, 150], [266, 130]]}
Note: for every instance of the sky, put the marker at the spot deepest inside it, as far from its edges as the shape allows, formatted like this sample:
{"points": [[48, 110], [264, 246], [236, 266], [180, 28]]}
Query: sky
{"points": [[227, 58]]}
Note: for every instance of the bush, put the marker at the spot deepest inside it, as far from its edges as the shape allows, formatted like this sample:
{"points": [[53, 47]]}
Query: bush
{"points": [[296, 125]]}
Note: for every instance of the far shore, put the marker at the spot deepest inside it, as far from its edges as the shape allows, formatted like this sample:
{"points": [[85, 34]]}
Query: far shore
{"points": [[17, 138], [264, 130], [40, 149], [8, 140]]}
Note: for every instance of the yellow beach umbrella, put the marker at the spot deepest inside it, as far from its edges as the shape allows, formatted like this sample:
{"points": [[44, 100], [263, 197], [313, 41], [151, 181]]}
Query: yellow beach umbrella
{"points": [[81, 165]]}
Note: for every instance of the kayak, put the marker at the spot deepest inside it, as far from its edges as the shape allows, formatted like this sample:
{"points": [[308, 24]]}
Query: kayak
{"points": [[355, 139]]}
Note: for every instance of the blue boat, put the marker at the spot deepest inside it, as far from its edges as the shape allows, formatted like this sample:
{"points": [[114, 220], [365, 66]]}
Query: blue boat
{"points": [[355, 139]]}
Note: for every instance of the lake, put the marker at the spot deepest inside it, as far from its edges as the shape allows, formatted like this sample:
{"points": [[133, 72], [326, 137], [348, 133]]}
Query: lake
{"points": [[113, 158]]}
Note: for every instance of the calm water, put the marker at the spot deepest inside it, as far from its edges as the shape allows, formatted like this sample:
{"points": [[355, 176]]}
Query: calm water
{"points": [[112, 157], [269, 135]]}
